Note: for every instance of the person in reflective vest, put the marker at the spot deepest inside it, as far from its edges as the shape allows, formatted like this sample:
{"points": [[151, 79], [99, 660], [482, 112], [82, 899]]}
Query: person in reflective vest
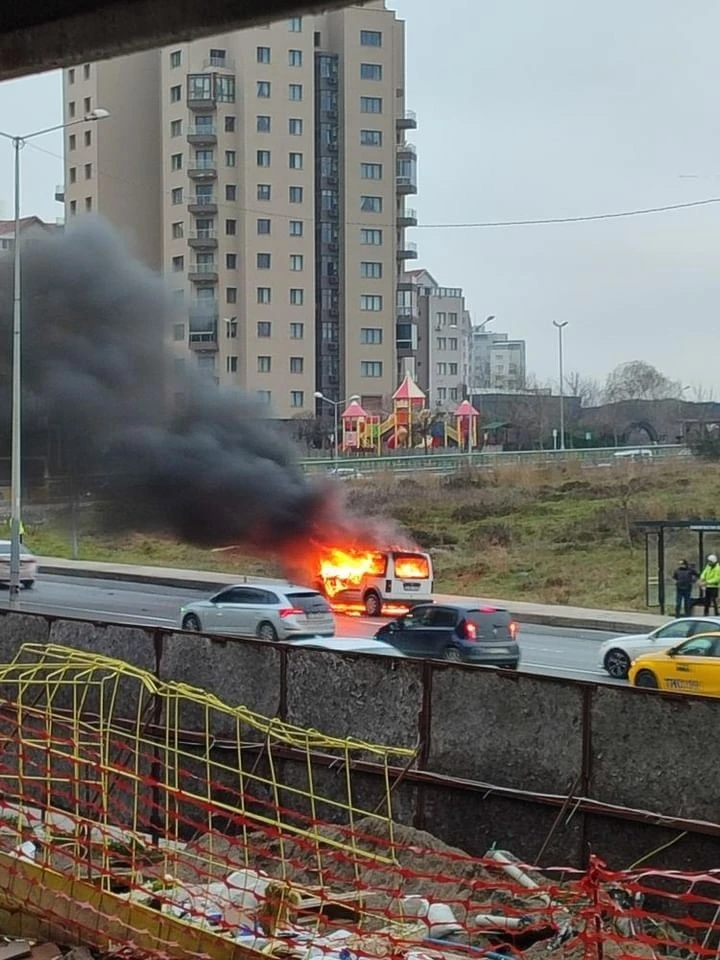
{"points": [[710, 581]]}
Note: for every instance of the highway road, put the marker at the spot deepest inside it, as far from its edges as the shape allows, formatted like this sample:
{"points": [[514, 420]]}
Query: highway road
{"points": [[555, 651]]}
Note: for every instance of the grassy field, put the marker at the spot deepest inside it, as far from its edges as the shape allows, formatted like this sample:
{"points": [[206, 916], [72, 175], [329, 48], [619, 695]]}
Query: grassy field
{"points": [[561, 535]]}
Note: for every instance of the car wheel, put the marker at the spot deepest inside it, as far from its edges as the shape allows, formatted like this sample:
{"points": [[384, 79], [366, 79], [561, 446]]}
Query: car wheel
{"points": [[373, 604], [191, 622], [266, 631], [617, 663], [647, 679], [453, 654], [28, 584]]}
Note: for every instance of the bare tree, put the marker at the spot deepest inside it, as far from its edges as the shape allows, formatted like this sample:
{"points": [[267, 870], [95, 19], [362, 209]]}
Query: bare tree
{"points": [[588, 390], [638, 380]]}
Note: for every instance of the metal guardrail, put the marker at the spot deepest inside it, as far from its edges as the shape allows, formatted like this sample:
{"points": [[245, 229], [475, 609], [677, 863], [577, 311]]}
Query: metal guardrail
{"points": [[447, 462]]}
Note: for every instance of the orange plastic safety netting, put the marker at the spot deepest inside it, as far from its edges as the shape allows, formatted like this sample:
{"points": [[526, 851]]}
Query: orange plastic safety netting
{"points": [[150, 818]]}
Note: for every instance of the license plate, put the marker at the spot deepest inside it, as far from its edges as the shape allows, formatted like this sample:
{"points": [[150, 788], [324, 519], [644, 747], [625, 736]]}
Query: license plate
{"points": [[411, 586], [498, 650], [317, 616]]}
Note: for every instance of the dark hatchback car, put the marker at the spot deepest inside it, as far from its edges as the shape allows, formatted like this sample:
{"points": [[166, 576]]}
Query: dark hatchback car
{"points": [[484, 635]]}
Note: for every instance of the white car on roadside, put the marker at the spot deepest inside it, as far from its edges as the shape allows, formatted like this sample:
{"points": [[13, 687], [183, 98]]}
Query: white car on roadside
{"points": [[28, 565], [617, 654]]}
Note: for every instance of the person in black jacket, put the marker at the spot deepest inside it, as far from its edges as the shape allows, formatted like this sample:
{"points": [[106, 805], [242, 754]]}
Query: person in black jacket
{"points": [[685, 576]]}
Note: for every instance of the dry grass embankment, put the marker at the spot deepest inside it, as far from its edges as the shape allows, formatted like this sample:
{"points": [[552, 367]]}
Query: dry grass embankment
{"points": [[552, 535]]}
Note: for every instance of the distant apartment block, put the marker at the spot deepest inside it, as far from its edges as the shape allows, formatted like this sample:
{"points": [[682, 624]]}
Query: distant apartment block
{"points": [[496, 362], [265, 172]]}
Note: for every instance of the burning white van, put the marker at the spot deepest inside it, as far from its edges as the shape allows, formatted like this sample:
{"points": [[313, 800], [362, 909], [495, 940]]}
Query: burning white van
{"points": [[376, 581]]}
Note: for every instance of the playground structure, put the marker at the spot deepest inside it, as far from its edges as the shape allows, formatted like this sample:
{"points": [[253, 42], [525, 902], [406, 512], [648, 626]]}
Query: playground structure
{"points": [[410, 425]]}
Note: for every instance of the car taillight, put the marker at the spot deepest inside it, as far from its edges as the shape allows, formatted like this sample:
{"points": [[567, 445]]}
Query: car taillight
{"points": [[470, 631], [513, 629], [291, 612]]}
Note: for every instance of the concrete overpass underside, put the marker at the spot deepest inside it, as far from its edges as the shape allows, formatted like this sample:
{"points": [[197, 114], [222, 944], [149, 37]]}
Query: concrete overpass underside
{"points": [[39, 35]]}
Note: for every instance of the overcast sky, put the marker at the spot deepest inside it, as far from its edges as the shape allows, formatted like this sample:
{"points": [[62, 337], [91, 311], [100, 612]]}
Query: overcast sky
{"points": [[534, 110]]}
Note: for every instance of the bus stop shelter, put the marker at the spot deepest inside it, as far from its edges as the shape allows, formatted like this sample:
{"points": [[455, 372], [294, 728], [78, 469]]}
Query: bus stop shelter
{"points": [[656, 566]]}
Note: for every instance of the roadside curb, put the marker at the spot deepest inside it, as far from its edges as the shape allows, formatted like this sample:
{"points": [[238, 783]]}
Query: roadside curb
{"points": [[198, 580]]}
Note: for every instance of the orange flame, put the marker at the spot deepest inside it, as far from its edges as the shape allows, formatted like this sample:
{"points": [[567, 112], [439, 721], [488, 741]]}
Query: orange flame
{"points": [[344, 569], [411, 567]]}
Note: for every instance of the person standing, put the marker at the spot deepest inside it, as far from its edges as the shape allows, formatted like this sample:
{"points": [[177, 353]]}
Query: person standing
{"points": [[710, 581], [684, 576]]}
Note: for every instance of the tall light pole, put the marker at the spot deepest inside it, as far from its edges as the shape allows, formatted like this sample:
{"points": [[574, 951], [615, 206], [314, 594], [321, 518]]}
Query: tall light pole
{"points": [[15, 443], [560, 327], [335, 404]]}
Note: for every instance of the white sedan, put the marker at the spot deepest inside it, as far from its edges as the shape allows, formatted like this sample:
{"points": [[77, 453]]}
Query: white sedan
{"points": [[28, 565], [617, 654]]}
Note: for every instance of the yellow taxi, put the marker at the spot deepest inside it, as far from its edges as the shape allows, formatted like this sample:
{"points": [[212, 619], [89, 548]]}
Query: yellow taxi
{"points": [[692, 666]]}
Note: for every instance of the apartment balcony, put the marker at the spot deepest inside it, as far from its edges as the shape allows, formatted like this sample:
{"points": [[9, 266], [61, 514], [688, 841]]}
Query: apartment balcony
{"points": [[203, 333], [405, 185], [60, 193], [202, 203], [203, 340], [203, 170], [205, 133], [407, 151], [407, 251], [407, 218], [406, 286], [219, 63], [203, 239], [203, 272], [407, 120]]}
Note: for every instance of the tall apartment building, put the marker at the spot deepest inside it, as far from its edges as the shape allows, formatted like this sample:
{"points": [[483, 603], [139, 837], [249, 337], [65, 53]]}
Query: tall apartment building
{"points": [[434, 338], [265, 173], [496, 361]]}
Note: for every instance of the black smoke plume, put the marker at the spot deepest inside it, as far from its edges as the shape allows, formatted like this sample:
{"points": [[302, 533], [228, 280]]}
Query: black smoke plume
{"points": [[177, 456]]}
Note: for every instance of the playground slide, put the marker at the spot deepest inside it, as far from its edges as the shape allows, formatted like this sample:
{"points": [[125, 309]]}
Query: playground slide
{"points": [[452, 434]]}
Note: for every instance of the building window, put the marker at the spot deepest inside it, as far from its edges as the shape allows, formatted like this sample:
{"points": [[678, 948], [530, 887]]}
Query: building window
{"points": [[297, 330], [71, 141], [371, 336], [71, 75], [371, 270], [371, 204], [264, 191], [371, 138], [230, 192], [371, 368], [371, 238], [297, 398], [296, 228], [178, 264], [264, 124], [453, 369], [263, 89], [295, 194], [71, 108], [199, 86], [176, 128], [453, 343], [263, 54], [225, 89], [231, 329], [87, 137], [231, 364], [264, 329], [178, 332], [264, 364], [87, 105], [88, 204], [370, 71], [295, 25], [176, 161], [230, 158], [452, 319], [296, 262], [264, 261], [231, 261], [217, 57], [229, 124], [176, 58], [441, 343], [295, 92], [230, 228], [295, 58], [263, 227], [263, 295], [297, 364], [178, 230], [86, 71], [295, 127], [297, 296], [370, 104], [370, 38], [73, 174], [263, 158], [371, 171], [176, 94], [73, 207], [441, 369], [265, 397], [371, 302], [176, 196], [295, 161], [442, 394], [231, 295]]}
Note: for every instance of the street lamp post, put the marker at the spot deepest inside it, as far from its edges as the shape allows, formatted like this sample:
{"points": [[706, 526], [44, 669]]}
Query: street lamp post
{"points": [[335, 404], [560, 325], [15, 443]]}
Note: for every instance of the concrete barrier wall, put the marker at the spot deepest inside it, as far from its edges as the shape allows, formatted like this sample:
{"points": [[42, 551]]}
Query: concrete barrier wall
{"points": [[491, 746]]}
